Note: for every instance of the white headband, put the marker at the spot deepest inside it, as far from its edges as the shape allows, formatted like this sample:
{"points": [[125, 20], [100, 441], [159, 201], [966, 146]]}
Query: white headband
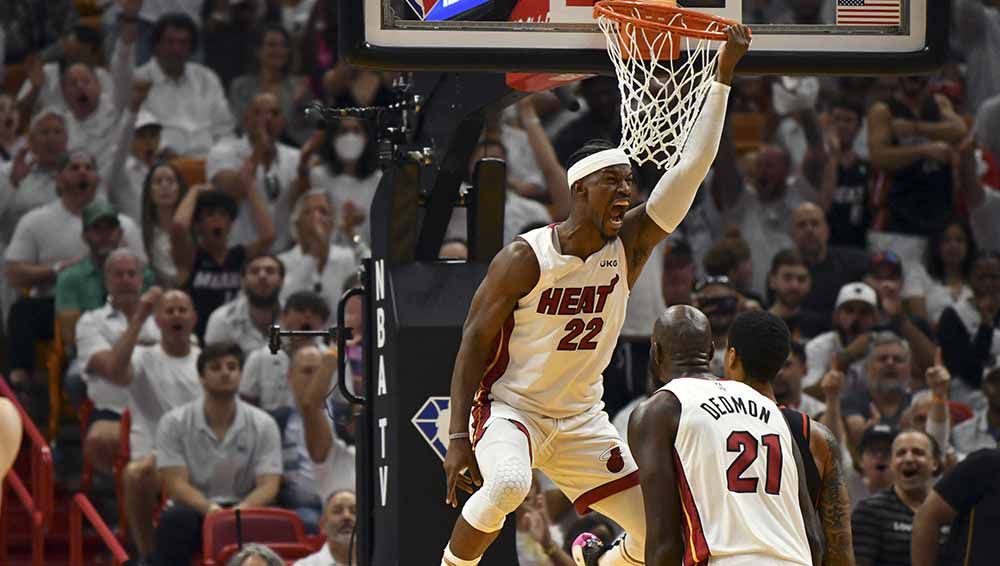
{"points": [[595, 162]]}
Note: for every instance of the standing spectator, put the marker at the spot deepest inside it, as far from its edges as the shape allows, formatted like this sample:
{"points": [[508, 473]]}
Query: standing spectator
{"points": [[983, 430], [274, 61], [159, 376], [908, 137], [763, 212], [347, 170], [43, 87], [968, 499], [214, 452], [790, 282], [96, 332], [788, 384], [163, 189], [136, 150], [47, 241], [968, 334], [82, 287], [983, 202], [317, 263], [872, 473], [269, 165], [228, 27], [846, 345], [149, 14], [886, 396], [339, 520], [831, 267], [943, 279], [602, 119], [882, 524], [247, 319], [187, 98], [977, 30], [208, 268], [845, 190]]}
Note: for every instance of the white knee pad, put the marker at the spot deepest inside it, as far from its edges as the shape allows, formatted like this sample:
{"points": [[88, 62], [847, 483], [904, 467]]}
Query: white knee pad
{"points": [[503, 458]]}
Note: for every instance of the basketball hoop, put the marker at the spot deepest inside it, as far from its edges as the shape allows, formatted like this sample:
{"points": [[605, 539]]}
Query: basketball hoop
{"points": [[662, 91]]}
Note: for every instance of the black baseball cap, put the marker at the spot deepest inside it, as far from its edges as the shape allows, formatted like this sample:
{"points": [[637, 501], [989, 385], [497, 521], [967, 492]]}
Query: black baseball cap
{"points": [[877, 433]]}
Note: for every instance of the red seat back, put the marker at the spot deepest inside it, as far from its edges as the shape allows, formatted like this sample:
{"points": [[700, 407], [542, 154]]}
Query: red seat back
{"points": [[265, 526]]}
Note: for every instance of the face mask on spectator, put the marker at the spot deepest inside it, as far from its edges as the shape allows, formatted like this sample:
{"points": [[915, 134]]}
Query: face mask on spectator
{"points": [[349, 146]]}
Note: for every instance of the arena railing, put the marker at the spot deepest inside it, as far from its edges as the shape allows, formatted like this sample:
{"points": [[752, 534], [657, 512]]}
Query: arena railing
{"points": [[39, 499], [81, 508]]}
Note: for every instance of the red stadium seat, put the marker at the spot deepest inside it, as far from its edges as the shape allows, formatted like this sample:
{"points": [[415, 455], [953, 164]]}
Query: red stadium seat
{"points": [[266, 526]]}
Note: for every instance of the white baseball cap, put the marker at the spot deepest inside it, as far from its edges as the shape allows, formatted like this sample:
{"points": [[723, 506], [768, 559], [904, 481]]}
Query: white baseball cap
{"points": [[857, 292], [146, 118]]}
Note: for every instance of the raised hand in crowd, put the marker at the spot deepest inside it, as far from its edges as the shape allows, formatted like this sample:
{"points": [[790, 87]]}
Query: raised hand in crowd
{"points": [[140, 91], [23, 164], [147, 303], [938, 377], [857, 349]]}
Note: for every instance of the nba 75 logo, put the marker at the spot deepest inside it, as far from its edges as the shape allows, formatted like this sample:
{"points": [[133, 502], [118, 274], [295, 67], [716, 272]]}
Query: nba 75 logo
{"points": [[432, 420]]}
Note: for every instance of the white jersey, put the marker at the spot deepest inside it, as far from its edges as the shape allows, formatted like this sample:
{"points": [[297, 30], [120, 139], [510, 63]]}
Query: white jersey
{"points": [[737, 476], [551, 351]]}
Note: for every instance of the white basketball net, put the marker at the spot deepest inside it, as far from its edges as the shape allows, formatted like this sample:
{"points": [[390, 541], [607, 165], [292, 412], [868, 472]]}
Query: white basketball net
{"points": [[661, 99]]}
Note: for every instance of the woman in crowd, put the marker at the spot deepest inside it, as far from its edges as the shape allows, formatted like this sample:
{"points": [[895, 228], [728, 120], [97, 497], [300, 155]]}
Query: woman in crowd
{"points": [[943, 280], [273, 75], [347, 169], [162, 191]]}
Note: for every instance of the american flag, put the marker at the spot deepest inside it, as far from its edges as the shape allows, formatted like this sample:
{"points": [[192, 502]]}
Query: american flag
{"points": [[868, 12]]}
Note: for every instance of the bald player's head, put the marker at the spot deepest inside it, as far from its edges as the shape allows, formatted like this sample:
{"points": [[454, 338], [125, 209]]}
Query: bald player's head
{"points": [[681, 343]]}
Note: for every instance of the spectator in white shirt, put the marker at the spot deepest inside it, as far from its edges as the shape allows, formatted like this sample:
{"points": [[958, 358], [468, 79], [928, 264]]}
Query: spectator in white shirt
{"points": [[338, 524], [983, 202], [942, 280], [854, 316], [247, 319], [96, 332], [317, 264], [159, 377], [273, 166], [186, 97], [214, 452], [46, 241]]}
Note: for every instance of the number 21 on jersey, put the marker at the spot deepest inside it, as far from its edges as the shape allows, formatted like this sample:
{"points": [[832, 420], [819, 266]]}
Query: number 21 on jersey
{"points": [[747, 446]]}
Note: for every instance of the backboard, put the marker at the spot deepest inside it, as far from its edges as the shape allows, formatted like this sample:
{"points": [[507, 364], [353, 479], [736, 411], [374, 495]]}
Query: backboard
{"points": [[813, 37]]}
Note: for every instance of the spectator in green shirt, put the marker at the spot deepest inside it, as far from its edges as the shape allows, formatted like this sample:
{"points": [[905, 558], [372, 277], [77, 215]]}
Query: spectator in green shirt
{"points": [[80, 288]]}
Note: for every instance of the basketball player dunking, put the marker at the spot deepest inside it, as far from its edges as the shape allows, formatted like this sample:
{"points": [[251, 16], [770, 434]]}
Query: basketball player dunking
{"points": [[720, 472], [542, 327]]}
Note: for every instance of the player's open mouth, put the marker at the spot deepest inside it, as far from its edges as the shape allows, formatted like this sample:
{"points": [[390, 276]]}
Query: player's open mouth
{"points": [[617, 213]]}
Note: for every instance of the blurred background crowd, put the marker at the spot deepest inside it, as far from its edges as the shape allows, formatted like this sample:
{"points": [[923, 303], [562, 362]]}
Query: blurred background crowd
{"points": [[163, 201]]}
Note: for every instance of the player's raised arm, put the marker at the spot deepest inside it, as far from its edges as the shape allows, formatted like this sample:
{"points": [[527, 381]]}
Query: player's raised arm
{"points": [[814, 528], [512, 274], [834, 505], [673, 194], [652, 430]]}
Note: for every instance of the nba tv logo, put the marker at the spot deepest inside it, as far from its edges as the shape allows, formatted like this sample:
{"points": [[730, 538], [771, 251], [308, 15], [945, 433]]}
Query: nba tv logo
{"points": [[609, 263]]}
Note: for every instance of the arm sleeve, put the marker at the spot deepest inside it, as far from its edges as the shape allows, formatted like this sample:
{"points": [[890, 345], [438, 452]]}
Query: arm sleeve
{"points": [[675, 191], [865, 529], [269, 461], [964, 486], [122, 70], [817, 361]]}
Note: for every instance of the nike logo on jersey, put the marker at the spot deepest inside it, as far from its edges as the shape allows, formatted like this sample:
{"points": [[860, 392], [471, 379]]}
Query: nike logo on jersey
{"points": [[575, 300]]}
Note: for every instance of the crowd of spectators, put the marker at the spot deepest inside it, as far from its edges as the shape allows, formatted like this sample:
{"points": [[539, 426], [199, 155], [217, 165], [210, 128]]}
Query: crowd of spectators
{"points": [[865, 212]]}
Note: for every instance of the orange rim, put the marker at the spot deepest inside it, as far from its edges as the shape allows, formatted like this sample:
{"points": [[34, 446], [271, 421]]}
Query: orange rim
{"points": [[653, 9]]}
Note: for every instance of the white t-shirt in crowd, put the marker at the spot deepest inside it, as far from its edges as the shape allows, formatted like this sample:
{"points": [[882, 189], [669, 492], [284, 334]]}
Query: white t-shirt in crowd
{"points": [[160, 382], [985, 223], [302, 273], [343, 188], [937, 296]]}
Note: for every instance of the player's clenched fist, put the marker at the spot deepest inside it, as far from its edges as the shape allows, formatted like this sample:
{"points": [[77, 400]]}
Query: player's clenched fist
{"points": [[459, 459]]}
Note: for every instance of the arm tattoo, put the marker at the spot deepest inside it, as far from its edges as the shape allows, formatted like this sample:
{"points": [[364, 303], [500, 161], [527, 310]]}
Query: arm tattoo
{"points": [[835, 507]]}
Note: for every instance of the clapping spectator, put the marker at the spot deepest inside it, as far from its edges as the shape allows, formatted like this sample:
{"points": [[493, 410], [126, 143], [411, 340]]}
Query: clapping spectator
{"points": [[263, 162], [347, 170], [943, 279], [317, 263], [967, 499], [159, 376], [845, 189], [273, 75], [968, 332], [338, 525], [163, 189], [247, 319], [214, 452], [208, 268], [187, 98], [882, 524]]}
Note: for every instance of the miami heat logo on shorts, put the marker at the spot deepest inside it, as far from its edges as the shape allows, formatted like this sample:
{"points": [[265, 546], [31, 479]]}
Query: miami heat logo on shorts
{"points": [[613, 458]]}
